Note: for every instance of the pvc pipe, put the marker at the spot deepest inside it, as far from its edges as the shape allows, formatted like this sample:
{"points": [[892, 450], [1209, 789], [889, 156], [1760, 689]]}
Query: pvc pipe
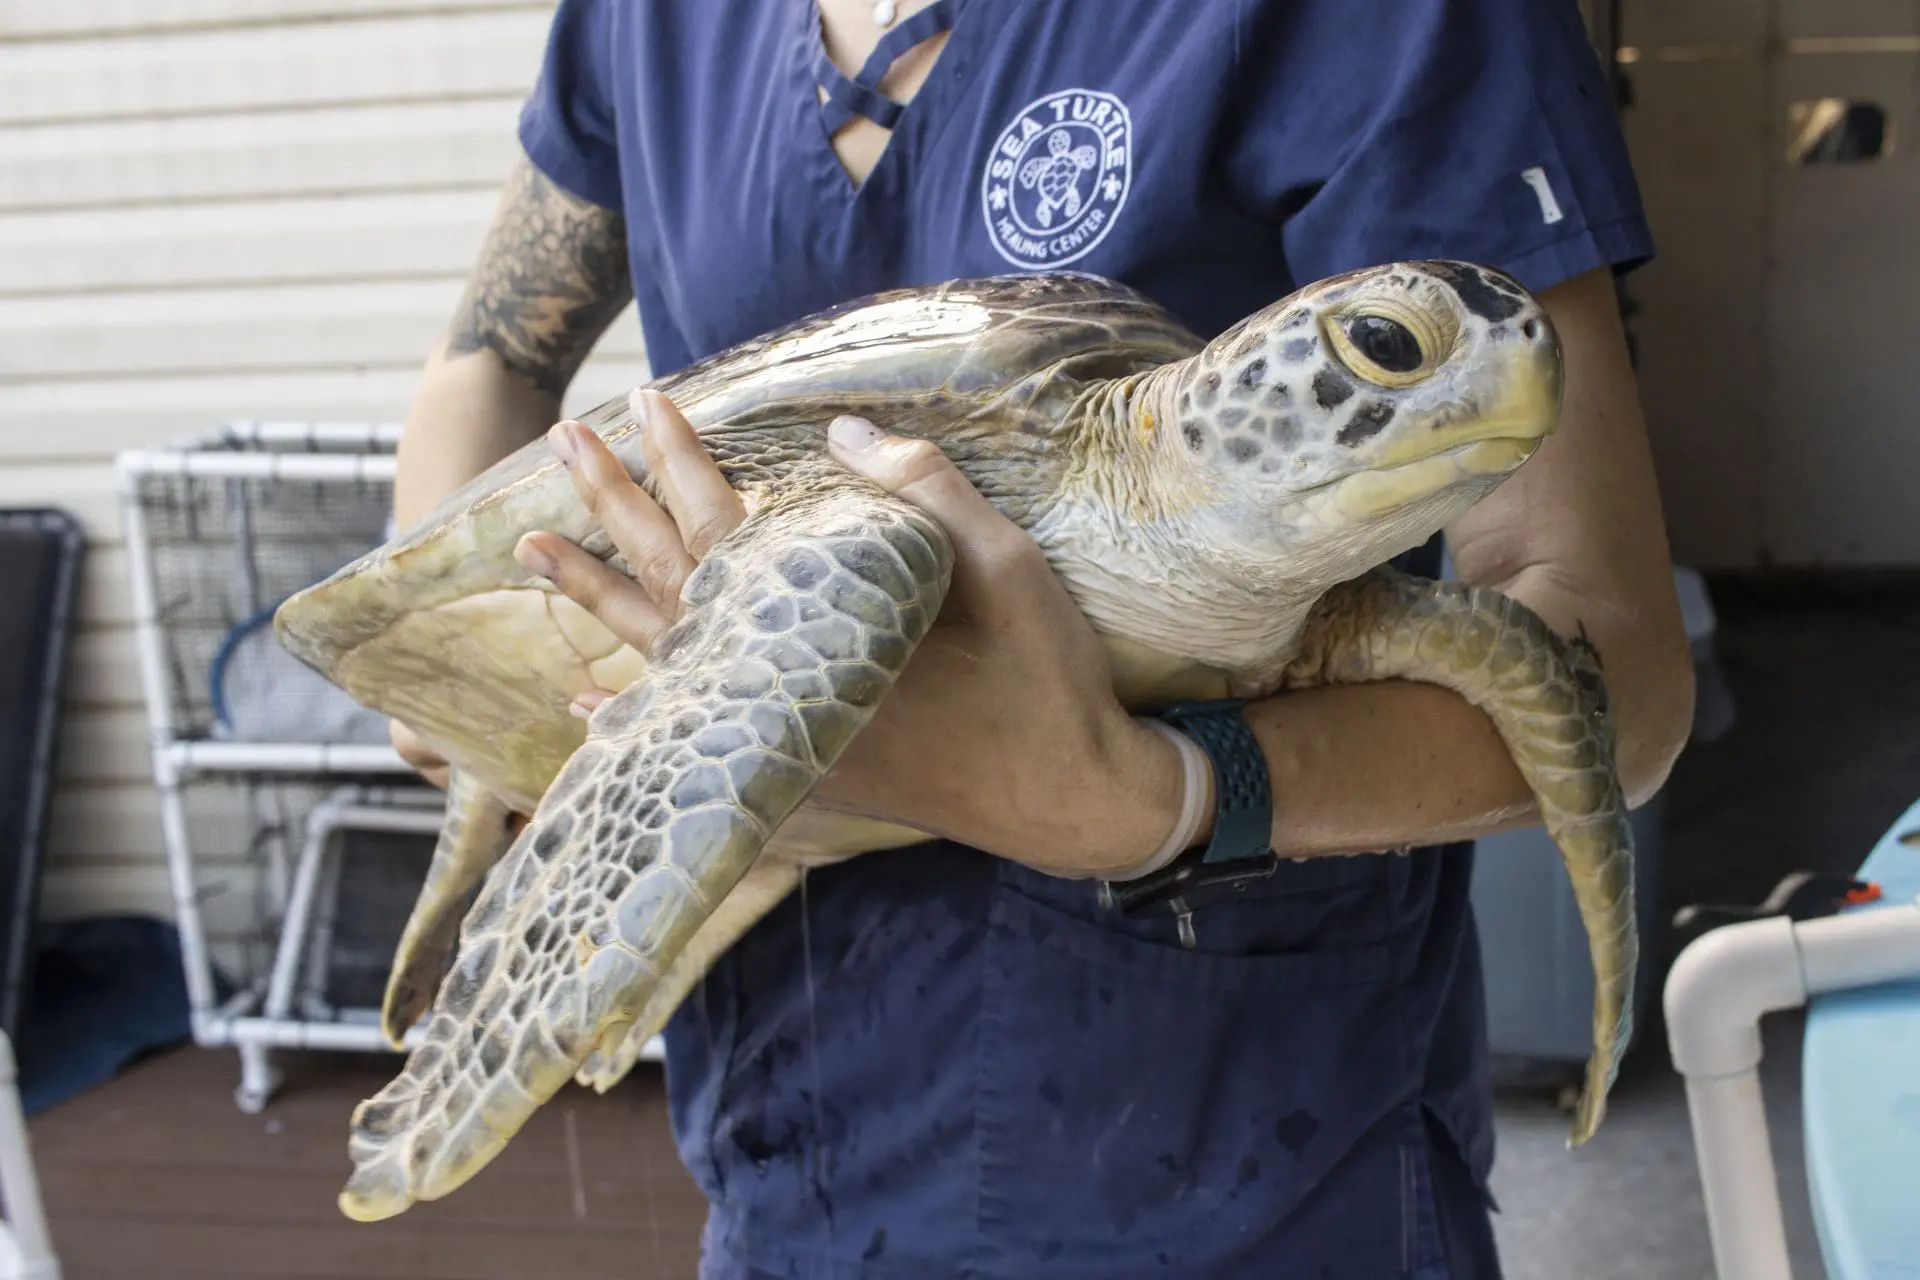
{"points": [[293, 926], [423, 796], [1860, 949], [250, 432], [184, 884], [1717, 992], [343, 467], [344, 1036], [1719, 988], [423, 822], [246, 431], [274, 842], [290, 1033], [151, 651], [1734, 1149], [285, 757], [342, 809], [312, 1000], [26, 1215]]}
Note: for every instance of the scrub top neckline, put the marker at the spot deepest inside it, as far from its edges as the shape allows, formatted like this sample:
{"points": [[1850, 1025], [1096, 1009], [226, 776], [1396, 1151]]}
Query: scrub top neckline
{"points": [[912, 124]]}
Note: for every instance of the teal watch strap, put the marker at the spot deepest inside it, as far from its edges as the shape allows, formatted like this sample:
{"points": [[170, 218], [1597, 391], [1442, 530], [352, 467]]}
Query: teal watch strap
{"points": [[1242, 789], [1240, 849]]}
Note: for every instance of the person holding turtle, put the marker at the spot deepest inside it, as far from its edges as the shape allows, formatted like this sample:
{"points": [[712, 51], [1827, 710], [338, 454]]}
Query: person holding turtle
{"points": [[981, 1069]]}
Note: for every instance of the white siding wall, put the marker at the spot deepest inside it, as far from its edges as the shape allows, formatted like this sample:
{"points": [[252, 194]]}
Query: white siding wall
{"points": [[215, 209]]}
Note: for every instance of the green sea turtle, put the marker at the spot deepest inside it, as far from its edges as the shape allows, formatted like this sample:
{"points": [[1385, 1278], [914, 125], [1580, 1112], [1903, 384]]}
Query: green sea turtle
{"points": [[1221, 512]]}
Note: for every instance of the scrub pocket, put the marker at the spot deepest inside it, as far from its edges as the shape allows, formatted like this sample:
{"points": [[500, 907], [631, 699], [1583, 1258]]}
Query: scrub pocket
{"points": [[1200, 1112]]}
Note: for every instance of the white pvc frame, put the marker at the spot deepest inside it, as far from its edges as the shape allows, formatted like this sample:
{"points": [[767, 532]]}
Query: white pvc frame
{"points": [[1719, 988], [26, 1246], [269, 1015]]}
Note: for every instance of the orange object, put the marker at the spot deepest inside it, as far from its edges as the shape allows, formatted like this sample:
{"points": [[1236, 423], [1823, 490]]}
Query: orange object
{"points": [[1865, 893]]}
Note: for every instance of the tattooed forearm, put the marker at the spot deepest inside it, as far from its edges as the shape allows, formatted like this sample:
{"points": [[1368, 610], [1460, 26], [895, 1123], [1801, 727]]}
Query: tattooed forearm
{"points": [[551, 278]]}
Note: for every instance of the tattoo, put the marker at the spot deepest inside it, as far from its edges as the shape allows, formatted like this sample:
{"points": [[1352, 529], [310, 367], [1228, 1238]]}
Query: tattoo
{"points": [[551, 277], [1584, 642]]}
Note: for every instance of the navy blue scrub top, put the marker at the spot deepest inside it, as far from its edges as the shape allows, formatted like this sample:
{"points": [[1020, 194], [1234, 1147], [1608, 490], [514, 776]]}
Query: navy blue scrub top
{"points": [[940, 1063]]}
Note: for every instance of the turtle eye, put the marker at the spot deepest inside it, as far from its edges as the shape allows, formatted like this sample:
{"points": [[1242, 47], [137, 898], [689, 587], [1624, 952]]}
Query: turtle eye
{"points": [[1387, 343]]}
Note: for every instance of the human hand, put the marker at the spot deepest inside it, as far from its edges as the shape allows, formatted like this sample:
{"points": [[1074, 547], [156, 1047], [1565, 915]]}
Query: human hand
{"points": [[417, 753], [1002, 733]]}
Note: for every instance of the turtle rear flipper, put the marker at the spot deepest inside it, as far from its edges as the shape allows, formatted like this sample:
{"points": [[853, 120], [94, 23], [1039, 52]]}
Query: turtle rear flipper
{"points": [[797, 624], [1545, 696], [477, 831]]}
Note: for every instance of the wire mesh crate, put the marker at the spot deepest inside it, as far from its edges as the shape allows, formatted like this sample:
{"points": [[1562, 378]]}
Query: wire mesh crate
{"points": [[291, 826], [221, 530]]}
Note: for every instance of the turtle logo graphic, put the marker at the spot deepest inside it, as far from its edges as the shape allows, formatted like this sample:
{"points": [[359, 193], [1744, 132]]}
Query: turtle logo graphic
{"points": [[1057, 174], [1057, 177]]}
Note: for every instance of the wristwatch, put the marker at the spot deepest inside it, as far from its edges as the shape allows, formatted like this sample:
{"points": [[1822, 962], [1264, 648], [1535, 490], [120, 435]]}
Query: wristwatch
{"points": [[1240, 850]]}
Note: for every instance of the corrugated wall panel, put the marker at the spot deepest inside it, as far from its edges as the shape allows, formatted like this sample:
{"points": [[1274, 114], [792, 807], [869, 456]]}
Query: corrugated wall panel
{"points": [[88, 489], [104, 601], [106, 675], [114, 888], [108, 746], [416, 56], [381, 147], [292, 327], [98, 417], [95, 823], [242, 242], [41, 20], [215, 210]]}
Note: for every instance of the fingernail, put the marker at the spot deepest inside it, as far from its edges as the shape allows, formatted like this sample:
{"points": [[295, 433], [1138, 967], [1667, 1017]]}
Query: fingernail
{"points": [[586, 703], [533, 559], [579, 710], [855, 435], [560, 437], [648, 409]]}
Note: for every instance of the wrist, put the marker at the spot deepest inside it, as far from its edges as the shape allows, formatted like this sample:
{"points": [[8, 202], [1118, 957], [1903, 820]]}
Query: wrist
{"points": [[1238, 850], [1161, 798], [1196, 806]]}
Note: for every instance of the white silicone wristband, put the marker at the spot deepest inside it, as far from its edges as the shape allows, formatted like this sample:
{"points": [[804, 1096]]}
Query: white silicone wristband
{"points": [[1186, 829]]}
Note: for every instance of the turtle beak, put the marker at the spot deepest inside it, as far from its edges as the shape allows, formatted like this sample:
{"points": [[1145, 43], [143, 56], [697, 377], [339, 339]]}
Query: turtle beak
{"points": [[1512, 398], [1498, 419]]}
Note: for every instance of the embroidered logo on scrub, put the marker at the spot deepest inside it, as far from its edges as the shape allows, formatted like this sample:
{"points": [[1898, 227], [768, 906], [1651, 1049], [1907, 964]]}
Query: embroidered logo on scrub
{"points": [[1057, 177]]}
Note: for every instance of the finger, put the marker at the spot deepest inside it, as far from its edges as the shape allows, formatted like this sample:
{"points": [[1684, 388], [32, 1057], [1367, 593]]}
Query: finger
{"points": [[919, 472], [703, 504], [584, 703], [623, 606], [421, 758], [644, 534], [408, 743]]}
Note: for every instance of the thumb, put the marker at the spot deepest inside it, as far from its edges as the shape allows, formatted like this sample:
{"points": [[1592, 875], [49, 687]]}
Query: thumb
{"points": [[915, 470]]}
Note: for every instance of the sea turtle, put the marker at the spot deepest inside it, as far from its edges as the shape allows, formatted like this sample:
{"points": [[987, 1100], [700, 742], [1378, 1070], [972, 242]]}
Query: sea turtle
{"points": [[1221, 511]]}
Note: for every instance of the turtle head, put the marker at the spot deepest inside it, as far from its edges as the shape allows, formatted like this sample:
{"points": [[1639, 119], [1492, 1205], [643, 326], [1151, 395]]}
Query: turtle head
{"points": [[1348, 422]]}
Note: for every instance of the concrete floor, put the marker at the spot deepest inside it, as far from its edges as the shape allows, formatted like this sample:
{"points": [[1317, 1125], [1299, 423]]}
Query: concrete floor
{"points": [[1825, 753]]}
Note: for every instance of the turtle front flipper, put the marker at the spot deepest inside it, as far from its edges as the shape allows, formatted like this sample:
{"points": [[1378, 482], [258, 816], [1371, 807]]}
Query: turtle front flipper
{"points": [[759, 891], [796, 626], [475, 835], [1545, 696]]}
